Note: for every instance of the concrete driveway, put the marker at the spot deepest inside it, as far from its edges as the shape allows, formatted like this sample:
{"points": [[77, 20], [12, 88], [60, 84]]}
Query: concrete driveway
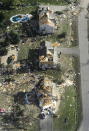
{"points": [[46, 124]]}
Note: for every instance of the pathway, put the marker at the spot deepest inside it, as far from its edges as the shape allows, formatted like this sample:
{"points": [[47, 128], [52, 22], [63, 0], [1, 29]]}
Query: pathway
{"points": [[46, 124]]}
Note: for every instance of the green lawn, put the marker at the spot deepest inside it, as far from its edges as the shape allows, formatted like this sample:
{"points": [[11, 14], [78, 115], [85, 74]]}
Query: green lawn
{"points": [[60, 2], [74, 32], [23, 52], [68, 111]]}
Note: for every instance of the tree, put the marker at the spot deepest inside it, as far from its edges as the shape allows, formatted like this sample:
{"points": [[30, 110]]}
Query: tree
{"points": [[3, 51], [7, 3], [71, 1], [12, 37], [1, 17]]}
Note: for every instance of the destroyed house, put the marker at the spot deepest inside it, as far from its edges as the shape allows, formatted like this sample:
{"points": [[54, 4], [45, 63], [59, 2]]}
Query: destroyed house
{"points": [[47, 23]]}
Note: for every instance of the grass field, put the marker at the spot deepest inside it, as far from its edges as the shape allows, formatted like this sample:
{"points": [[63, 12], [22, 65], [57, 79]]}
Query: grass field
{"points": [[58, 2], [54, 2], [70, 106], [23, 52], [68, 111]]}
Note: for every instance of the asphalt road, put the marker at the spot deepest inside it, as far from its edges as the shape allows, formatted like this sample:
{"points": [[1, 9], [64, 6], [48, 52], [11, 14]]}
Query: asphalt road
{"points": [[84, 64]]}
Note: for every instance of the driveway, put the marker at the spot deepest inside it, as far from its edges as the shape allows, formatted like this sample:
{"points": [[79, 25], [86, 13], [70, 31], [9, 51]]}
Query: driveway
{"points": [[55, 7], [69, 51], [46, 124]]}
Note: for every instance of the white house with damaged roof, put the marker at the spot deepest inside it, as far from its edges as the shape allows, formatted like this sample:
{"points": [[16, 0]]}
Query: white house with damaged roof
{"points": [[47, 22], [48, 59], [45, 94]]}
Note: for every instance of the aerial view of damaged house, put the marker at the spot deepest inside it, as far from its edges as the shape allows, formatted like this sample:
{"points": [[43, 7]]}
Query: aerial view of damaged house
{"points": [[47, 22], [43, 95]]}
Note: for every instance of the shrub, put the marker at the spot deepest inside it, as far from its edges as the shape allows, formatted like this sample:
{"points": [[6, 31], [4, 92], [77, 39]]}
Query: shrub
{"points": [[3, 51], [7, 3], [1, 17], [12, 38]]}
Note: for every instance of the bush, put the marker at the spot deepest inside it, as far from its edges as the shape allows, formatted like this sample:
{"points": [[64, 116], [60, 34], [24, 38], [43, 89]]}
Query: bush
{"points": [[63, 35], [12, 38], [1, 17], [3, 44], [3, 51], [59, 12], [7, 3]]}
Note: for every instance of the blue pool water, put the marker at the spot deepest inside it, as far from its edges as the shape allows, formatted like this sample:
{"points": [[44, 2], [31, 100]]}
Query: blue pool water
{"points": [[25, 18], [19, 19], [15, 19]]}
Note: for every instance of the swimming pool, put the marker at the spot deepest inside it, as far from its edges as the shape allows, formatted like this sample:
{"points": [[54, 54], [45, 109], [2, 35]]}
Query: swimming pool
{"points": [[20, 18]]}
